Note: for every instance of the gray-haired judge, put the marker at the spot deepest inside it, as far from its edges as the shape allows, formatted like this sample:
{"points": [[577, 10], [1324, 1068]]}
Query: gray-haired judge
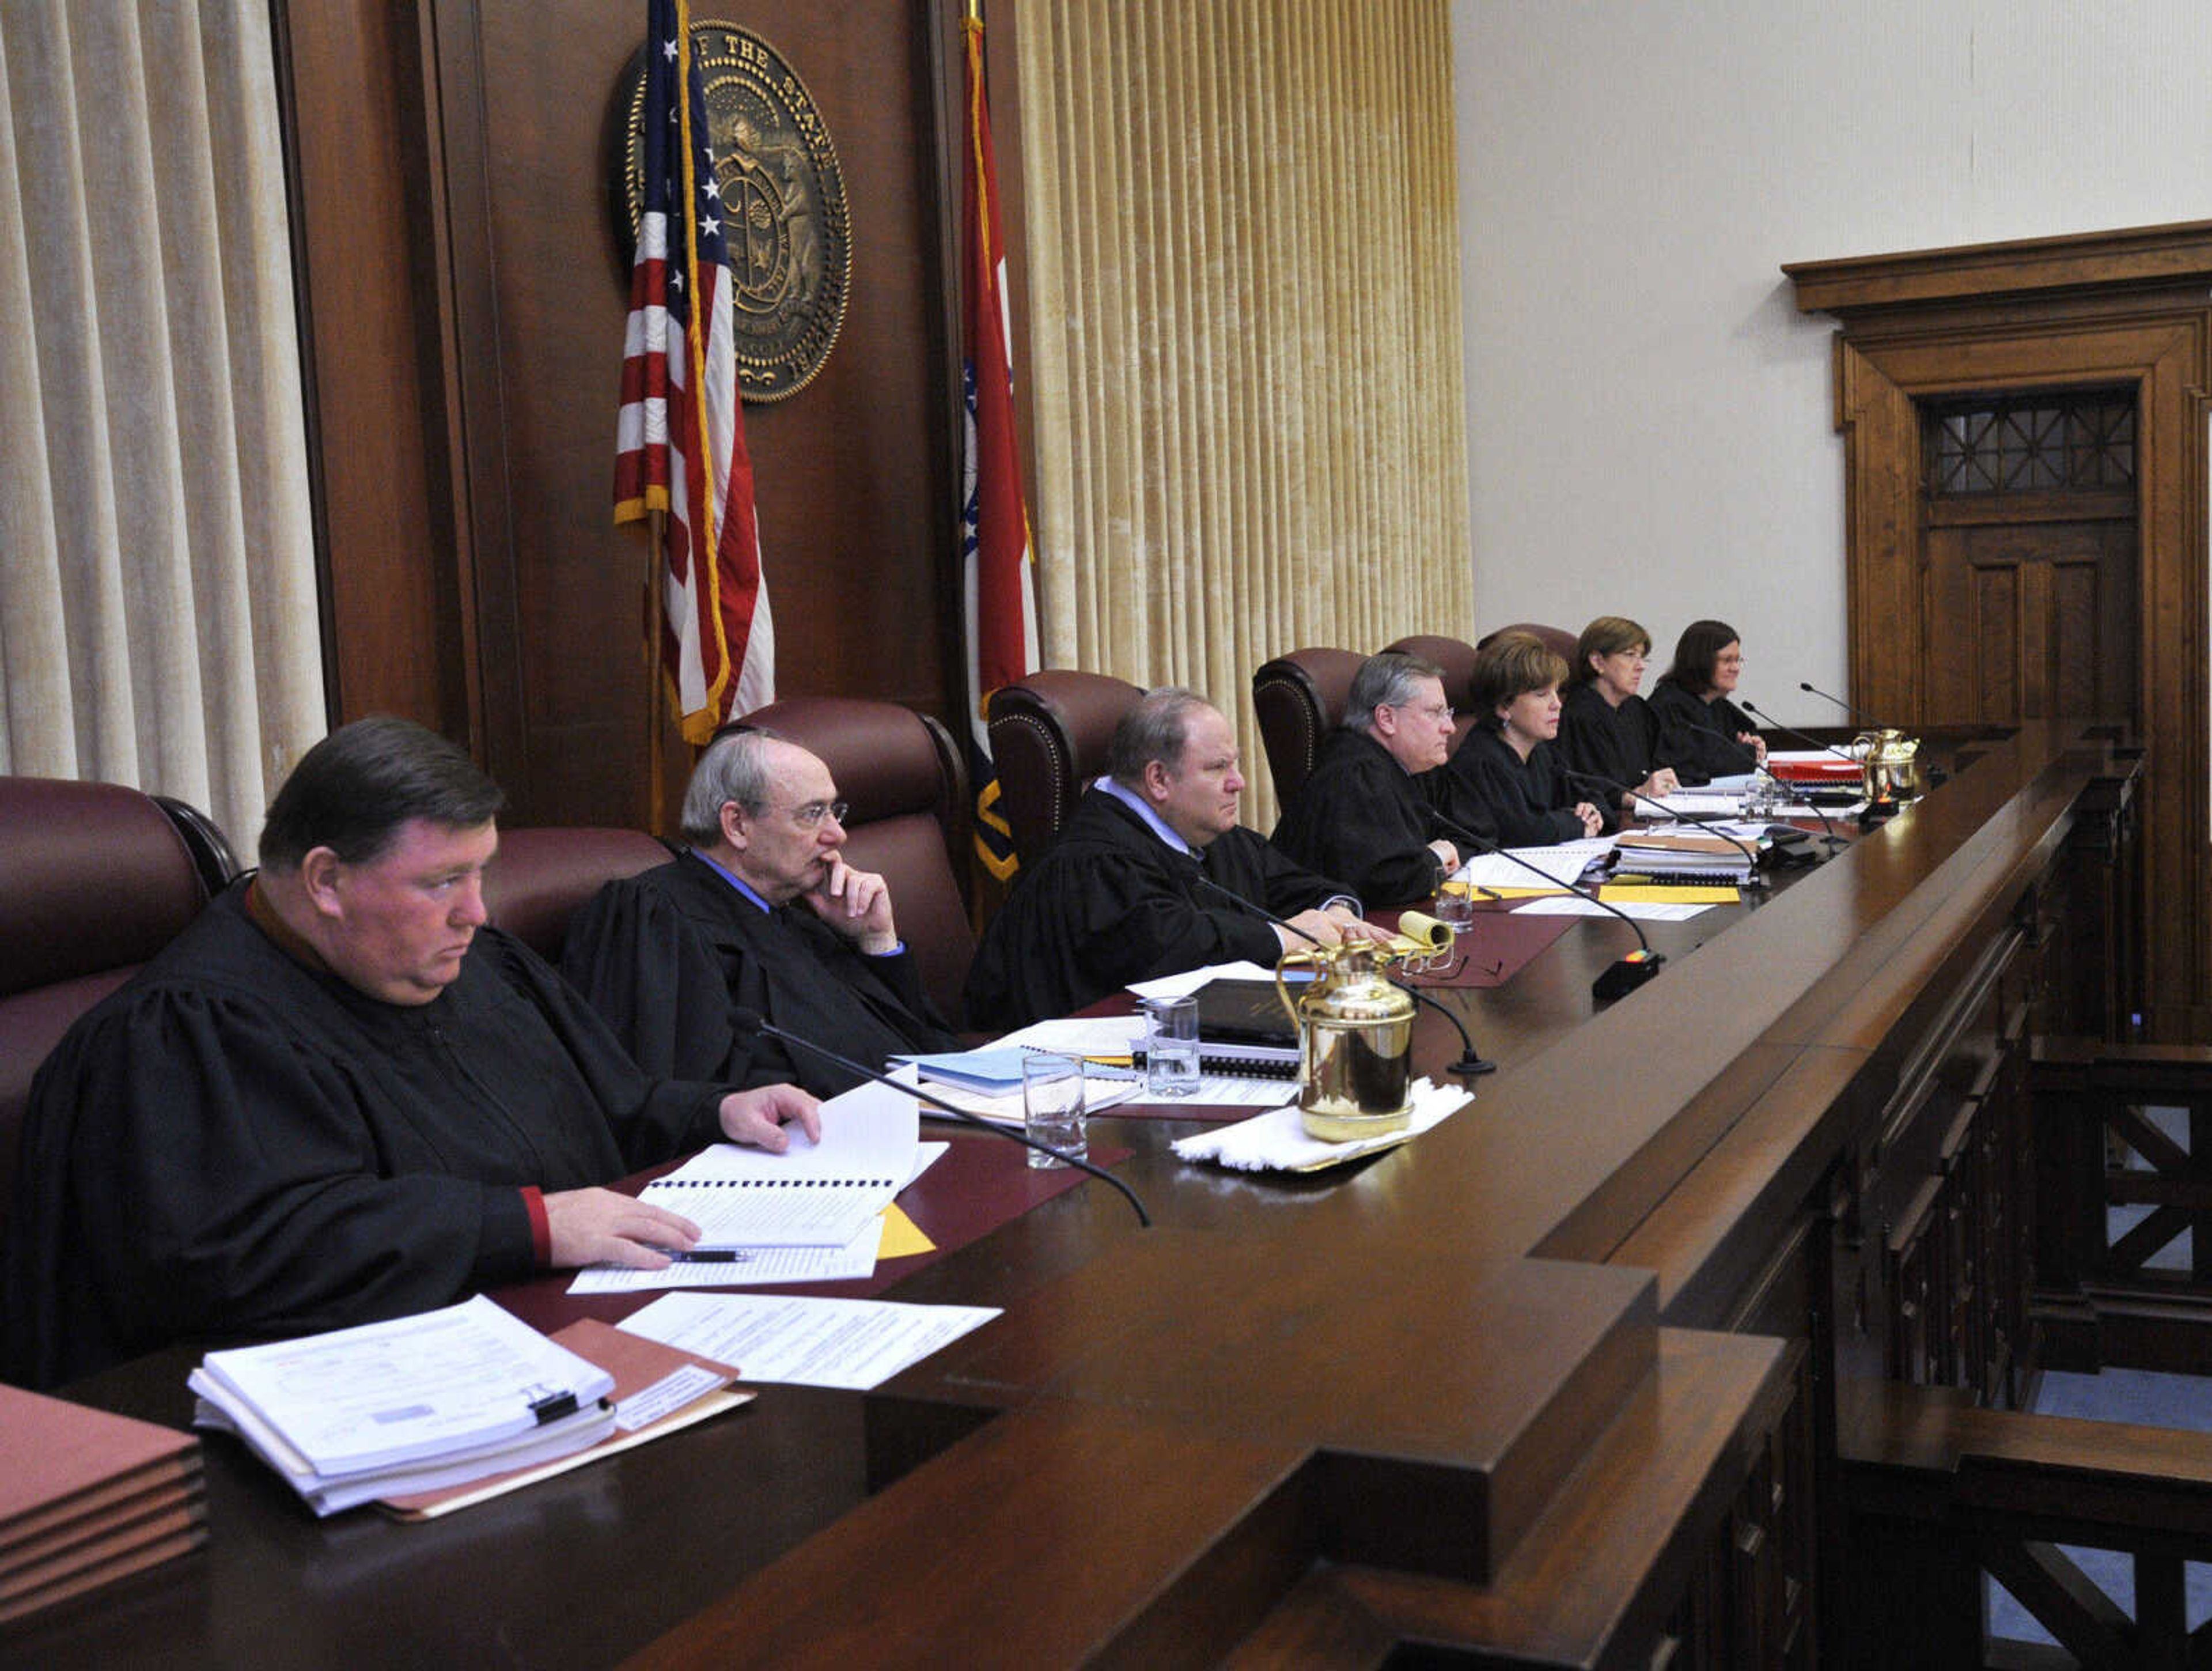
{"points": [[761, 913], [1365, 813]]}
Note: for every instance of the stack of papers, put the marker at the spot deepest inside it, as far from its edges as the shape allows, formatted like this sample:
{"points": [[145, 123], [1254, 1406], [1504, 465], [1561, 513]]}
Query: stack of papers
{"points": [[414, 1405], [88, 1497], [1682, 853]]}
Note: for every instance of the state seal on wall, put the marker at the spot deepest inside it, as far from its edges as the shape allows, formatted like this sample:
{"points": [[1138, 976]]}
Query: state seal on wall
{"points": [[789, 231]]}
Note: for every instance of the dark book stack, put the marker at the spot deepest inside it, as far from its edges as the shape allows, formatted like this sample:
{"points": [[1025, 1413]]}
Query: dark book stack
{"points": [[87, 1498]]}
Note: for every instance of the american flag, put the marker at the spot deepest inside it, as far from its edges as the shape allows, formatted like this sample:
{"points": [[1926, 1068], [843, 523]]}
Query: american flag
{"points": [[680, 439], [994, 535]]}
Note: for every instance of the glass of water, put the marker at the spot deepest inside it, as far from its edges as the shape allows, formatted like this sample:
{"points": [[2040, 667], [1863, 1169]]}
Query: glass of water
{"points": [[1053, 1108], [1171, 1047]]}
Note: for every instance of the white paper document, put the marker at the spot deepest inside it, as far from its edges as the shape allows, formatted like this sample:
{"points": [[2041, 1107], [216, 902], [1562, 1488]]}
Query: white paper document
{"points": [[1562, 864], [854, 1344], [1574, 905], [749, 1267], [818, 1195]]}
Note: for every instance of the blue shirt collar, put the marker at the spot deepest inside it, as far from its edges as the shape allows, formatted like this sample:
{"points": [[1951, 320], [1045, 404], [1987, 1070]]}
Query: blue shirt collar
{"points": [[732, 878], [1137, 804]]}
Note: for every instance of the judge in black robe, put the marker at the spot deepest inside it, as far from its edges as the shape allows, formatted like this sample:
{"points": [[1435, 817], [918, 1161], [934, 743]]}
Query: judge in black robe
{"points": [[663, 957], [1503, 770], [1530, 801], [273, 1130], [1118, 897], [1364, 813], [1701, 733], [1620, 745]]}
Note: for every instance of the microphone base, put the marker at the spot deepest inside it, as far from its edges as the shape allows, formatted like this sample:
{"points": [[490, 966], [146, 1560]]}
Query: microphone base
{"points": [[1626, 976], [1471, 1066]]}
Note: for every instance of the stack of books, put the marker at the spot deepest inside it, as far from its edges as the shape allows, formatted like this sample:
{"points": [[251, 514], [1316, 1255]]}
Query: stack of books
{"points": [[1670, 855], [87, 1498]]}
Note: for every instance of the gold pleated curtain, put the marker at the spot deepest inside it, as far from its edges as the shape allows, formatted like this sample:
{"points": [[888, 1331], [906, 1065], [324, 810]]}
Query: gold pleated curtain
{"points": [[158, 622], [1244, 364]]}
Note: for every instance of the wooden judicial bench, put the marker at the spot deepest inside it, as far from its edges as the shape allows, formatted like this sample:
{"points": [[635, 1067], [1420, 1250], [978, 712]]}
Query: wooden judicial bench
{"points": [[1698, 1339]]}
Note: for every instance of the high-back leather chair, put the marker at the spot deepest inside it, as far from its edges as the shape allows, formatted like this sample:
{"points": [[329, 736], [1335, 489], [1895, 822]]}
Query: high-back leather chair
{"points": [[1299, 700], [541, 875], [94, 878], [1048, 737], [1558, 637], [910, 821], [1456, 657]]}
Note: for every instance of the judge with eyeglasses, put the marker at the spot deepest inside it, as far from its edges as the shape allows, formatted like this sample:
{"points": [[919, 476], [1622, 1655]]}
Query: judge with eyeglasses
{"points": [[761, 912]]}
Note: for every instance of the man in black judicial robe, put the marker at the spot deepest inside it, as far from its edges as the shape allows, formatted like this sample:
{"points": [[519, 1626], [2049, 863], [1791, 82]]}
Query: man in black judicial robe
{"points": [[762, 913], [1117, 898], [1364, 813], [337, 1096]]}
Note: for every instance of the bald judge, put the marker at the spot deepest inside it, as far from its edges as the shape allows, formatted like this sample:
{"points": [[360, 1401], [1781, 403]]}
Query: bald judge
{"points": [[761, 914], [1134, 887], [338, 1095]]}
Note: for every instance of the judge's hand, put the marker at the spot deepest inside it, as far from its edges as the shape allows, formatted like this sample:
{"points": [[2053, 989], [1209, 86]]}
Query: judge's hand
{"points": [[759, 1117], [1663, 782], [1755, 743], [596, 1226], [1592, 819], [1351, 925], [1317, 923], [857, 903], [1447, 853]]}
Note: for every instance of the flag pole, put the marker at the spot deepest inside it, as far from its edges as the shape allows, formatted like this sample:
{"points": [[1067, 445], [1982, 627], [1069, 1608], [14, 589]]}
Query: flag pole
{"points": [[656, 721]]}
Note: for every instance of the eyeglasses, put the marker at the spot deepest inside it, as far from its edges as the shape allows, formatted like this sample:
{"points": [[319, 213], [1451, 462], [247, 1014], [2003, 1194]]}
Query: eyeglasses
{"points": [[1432, 710], [810, 816]]}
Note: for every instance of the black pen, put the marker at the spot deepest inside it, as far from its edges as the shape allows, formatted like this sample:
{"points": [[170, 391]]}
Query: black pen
{"points": [[707, 1256]]}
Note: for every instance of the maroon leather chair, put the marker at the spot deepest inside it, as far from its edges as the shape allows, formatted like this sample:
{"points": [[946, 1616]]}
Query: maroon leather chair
{"points": [[1556, 637], [1456, 657], [1048, 737], [541, 875], [1299, 700], [97, 879], [910, 820]]}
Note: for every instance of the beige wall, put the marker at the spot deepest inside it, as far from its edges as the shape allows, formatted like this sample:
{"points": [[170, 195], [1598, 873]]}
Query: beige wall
{"points": [[1649, 422]]}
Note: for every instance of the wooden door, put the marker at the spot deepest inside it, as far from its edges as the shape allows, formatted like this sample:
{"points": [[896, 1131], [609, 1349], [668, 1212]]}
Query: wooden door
{"points": [[2028, 550]]}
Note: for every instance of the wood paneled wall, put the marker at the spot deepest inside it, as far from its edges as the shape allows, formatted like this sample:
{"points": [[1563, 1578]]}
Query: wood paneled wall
{"points": [[465, 299]]}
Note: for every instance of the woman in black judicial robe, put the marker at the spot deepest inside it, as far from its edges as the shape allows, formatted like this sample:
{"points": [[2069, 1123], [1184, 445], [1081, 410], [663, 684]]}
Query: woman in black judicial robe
{"points": [[1703, 733], [1606, 729], [1504, 770]]}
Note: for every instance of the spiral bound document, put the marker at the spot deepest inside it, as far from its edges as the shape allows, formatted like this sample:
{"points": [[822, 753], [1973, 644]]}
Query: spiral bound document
{"points": [[814, 1195]]}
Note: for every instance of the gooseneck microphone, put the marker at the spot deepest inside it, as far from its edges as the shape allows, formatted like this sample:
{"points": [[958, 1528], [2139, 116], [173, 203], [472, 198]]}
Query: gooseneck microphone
{"points": [[1619, 979], [1472, 1062], [754, 1025], [1705, 819], [1811, 690]]}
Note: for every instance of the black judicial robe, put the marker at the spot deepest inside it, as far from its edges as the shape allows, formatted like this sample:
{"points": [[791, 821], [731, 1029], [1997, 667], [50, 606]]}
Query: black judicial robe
{"points": [[665, 955], [1529, 802], [1697, 737], [1621, 745], [234, 1143], [1366, 818], [1111, 903]]}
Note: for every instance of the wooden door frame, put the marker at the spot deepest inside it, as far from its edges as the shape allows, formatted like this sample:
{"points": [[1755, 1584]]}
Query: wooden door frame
{"points": [[2130, 307]]}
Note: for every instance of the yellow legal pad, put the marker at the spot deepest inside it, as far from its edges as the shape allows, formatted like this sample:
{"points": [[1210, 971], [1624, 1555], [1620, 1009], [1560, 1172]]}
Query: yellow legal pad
{"points": [[902, 1236]]}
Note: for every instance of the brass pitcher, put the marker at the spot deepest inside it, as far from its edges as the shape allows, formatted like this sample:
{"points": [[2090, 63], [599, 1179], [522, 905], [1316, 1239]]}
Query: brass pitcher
{"points": [[1889, 766], [1355, 1042]]}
